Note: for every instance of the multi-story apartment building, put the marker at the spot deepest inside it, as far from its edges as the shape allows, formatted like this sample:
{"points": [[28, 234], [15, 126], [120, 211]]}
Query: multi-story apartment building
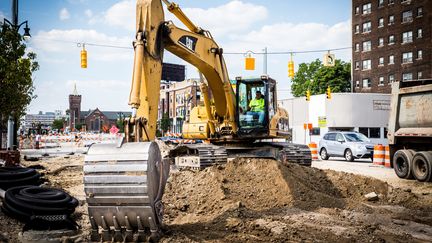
{"points": [[391, 42], [177, 99]]}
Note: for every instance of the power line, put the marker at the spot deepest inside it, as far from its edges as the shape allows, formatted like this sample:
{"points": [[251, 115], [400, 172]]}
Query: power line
{"points": [[228, 53]]}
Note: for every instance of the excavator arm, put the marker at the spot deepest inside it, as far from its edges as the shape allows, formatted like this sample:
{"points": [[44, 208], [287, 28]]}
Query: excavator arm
{"points": [[195, 46]]}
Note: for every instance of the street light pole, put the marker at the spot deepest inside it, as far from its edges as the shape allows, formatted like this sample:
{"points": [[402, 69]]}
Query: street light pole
{"points": [[12, 122]]}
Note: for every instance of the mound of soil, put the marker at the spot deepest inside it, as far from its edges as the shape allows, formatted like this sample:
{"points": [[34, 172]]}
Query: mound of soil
{"points": [[260, 199]]}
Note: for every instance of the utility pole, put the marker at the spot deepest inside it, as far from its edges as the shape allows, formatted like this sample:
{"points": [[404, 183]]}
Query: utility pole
{"points": [[12, 143], [265, 61]]}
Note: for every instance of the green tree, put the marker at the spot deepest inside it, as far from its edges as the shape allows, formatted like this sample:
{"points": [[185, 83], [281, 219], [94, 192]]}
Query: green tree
{"points": [[16, 68], [58, 123], [316, 77], [165, 123]]}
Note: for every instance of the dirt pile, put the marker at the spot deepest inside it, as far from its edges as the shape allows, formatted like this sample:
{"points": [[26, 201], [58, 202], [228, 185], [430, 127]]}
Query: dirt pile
{"points": [[262, 200]]}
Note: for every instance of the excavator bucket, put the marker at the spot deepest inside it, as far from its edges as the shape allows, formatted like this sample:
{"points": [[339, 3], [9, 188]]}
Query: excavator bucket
{"points": [[124, 187]]}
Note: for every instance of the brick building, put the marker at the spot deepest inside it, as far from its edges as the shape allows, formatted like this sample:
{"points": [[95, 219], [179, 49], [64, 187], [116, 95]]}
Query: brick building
{"points": [[74, 108], [177, 99], [391, 41]]}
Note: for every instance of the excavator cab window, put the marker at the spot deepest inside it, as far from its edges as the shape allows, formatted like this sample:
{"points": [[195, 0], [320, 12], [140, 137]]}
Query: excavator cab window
{"points": [[252, 104]]}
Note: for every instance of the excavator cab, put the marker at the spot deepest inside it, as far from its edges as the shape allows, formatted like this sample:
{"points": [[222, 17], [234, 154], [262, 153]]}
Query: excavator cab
{"points": [[255, 105]]}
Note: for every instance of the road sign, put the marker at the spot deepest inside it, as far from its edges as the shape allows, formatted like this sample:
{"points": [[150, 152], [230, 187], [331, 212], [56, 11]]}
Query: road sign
{"points": [[114, 130], [322, 121], [329, 60]]}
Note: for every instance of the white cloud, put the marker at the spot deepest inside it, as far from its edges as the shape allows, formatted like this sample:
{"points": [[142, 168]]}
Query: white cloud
{"points": [[2, 16], [121, 14], [232, 17], [64, 14], [88, 13], [62, 41]]}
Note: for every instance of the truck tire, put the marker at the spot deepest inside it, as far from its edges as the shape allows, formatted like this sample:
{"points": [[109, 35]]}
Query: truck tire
{"points": [[422, 166], [402, 163]]}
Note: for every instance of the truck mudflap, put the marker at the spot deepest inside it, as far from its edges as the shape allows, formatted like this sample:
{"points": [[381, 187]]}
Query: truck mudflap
{"points": [[124, 186]]}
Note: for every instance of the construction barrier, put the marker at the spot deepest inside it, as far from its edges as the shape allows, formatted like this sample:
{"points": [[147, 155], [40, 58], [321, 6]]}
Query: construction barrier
{"points": [[314, 150], [387, 157], [378, 154]]}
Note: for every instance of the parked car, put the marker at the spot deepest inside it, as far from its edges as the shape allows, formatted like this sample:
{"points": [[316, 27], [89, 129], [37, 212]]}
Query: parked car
{"points": [[349, 145]]}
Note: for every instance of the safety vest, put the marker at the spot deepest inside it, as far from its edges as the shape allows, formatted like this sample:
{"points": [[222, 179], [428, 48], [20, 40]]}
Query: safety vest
{"points": [[257, 105]]}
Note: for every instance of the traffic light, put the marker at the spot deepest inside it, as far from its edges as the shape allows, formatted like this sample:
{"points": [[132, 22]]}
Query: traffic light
{"points": [[83, 58], [249, 62], [308, 95], [291, 69], [328, 93]]}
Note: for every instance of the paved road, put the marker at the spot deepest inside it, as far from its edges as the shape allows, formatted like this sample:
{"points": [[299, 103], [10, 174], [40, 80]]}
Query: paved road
{"points": [[366, 168]]}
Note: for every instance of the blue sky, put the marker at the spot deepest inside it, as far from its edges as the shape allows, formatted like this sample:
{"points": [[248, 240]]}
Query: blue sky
{"points": [[238, 26]]}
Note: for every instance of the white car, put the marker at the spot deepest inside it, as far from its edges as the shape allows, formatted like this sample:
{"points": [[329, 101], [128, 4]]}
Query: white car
{"points": [[349, 145]]}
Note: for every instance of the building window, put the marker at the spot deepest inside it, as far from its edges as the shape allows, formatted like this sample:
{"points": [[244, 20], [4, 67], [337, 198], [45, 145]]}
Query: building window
{"points": [[407, 76], [374, 132], [357, 10], [381, 41], [380, 22], [419, 75], [420, 54], [407, 37], [357, 84], [381, 81], [419, 12], [407, 16], [366, 64], [357, 47], [391, 20], [391, 40], [367, 8], [380, 3], [357, 29], [381, 61], [420, 33], [366, 83], [367, 27], [357, 65], [391, 78], [367, 45], [407, 57], [391, 59]]}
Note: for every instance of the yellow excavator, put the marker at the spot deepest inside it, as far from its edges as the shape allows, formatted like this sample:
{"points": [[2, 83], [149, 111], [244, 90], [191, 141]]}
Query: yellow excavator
{"points": [[124, 183]]}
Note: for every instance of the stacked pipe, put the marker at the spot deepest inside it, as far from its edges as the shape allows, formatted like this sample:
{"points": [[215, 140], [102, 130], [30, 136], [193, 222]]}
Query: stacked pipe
{"points": [[39, 208]]}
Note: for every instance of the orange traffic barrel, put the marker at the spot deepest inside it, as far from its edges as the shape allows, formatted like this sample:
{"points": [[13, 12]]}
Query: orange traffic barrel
{"points": [[314, 150], [387, 157], [378, 155]]}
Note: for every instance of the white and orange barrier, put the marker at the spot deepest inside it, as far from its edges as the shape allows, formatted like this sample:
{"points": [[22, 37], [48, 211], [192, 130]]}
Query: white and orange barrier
{"points": [[378, 154], [314, 150], [387, 157]]}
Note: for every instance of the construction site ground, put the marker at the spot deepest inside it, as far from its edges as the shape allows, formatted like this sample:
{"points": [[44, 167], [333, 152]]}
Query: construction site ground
{"points": [[264, 201]]}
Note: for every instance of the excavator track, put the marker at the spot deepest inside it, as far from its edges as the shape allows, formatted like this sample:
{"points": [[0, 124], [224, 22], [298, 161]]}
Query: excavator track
{"points": [[198, 156], [291, 153], [124, 187]]}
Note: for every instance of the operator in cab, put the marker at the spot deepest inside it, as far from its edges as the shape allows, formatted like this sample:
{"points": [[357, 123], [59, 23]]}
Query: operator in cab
{"points": [[256, 107]]}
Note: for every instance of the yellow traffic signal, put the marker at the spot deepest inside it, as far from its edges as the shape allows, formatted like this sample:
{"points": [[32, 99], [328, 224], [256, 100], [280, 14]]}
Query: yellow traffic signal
{"points": [[83, 58], [249, 62], [291, 69], [308, 95], [328, 93]]}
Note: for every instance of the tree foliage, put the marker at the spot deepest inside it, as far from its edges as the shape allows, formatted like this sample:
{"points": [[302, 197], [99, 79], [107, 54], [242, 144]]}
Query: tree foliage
{"points": [[58, 123], [316, 77], [16, 68]]}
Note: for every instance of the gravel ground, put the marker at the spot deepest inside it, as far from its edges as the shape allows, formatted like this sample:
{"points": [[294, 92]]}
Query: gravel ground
{"points": [[263, 201], [366, 168]]}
